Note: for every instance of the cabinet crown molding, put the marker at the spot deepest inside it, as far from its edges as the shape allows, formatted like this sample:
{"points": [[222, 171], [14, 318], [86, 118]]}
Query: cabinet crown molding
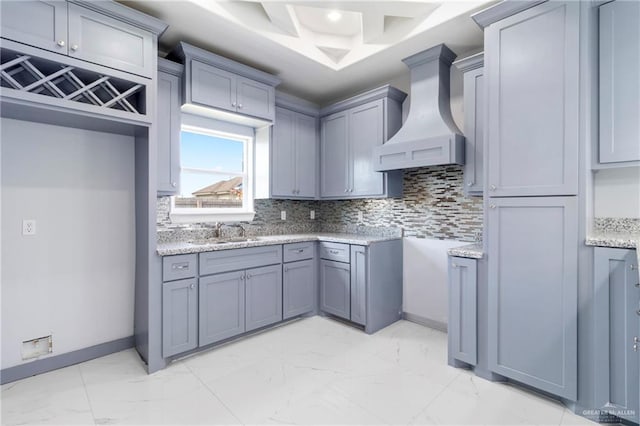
{"points": [[170, 67], [285, 100], [502, 10], [470, 63], [125, 14], [386, 91]]}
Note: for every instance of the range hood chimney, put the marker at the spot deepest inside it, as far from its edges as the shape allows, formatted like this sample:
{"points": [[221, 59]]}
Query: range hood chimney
{"points": [[429, 136]]}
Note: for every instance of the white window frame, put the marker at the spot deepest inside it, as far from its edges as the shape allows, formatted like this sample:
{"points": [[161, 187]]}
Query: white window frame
{"points": [[203, 215]]}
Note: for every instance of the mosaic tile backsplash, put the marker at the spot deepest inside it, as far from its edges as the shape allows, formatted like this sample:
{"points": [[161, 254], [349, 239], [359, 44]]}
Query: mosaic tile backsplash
{"points": [[433, 206]]}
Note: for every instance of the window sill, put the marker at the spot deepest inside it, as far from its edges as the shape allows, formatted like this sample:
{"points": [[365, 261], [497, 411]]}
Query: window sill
{"points": [[198, 217]]}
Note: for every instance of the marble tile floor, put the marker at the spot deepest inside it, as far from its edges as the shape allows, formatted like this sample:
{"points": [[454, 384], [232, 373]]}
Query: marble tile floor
{"points": [[312, 371]]}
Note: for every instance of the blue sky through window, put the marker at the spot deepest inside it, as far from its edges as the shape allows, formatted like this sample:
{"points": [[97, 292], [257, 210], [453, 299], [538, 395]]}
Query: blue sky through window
{"points": [[208, 152]]}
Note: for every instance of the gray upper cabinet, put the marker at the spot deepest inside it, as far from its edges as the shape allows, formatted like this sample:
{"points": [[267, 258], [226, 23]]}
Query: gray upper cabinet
{"points": [[299, 287], [335, 288], [46, 26], [533, 101], [532, 291], [229, 90], [619, 82], [81, 32], [168, 124], [616, 305], [359, 285], [349, 132], [294, 151], [221, 306], [263, 297], [473, 69], [179, 316], [463, 321]]}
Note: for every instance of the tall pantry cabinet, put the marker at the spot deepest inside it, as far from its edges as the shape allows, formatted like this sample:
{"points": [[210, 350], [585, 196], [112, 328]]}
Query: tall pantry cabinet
{"points": [[532, 143]]}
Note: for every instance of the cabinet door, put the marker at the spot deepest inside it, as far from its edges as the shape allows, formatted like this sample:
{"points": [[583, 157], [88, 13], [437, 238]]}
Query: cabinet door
{"points": [[334, 156], [263, 297], [306, 156], [358, 285], [532, 260], [299, 284], [41, 24], [106, 41], [463, 309], [365, 133], [335, 292], [255, 98], [533, 101], [283, 162], [473, 130], [619, 82], [168, 122], [616, 300], [212, 87], [221, 306], [179, 317]]}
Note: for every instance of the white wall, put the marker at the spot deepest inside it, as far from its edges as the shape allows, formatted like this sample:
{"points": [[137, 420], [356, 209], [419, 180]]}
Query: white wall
{"points": [[425, 288], [617, 193], [75, 278]]}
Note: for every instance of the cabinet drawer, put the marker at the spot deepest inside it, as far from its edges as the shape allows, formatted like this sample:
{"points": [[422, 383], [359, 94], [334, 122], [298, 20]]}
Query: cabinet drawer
{"points": [[338, 252], [299, 251], [178, 267], [236, 259]]}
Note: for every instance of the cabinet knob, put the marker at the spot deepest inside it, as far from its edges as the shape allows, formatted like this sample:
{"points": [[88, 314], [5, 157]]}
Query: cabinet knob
{"points": [[636, 340], [286, 269], [638, 285], [469, 183], [454, 265], [61, 43], [233, 104], [638, 313], [174, 184], [346, 190], [635, 347], [192, 286], [239, 105], [493, 206], [74, 47], [248, 276], [633, 267], [493, 187]]}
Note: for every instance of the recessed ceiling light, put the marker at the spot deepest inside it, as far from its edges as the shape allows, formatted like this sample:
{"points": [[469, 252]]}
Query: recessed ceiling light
{"points": [[334, 16]]}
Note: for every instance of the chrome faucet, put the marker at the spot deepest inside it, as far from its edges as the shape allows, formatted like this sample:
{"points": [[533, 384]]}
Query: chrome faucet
{"points": [[218, 227]]}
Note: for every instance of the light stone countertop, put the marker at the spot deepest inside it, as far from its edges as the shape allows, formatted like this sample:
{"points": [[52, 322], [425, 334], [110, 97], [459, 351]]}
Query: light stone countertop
{"points": [[614, 239], [471, 251], [184, 247]]}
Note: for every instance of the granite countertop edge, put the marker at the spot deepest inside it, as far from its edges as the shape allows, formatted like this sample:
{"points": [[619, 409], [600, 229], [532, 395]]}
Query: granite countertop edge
{"points": [[184, 247], [470, 251], [613, 239]]}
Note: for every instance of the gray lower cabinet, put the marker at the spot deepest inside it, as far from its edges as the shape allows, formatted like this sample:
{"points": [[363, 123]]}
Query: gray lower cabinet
{"points": [[473, 69], [358, 285], [532, 291], [179, 316], [533, 101], [294, 151], [221, 306], [263, 296], [619, 83], [463, 320], [80, 32], [617, 330], [299, 287], [168, 123], [335, 288], [349, 131]]}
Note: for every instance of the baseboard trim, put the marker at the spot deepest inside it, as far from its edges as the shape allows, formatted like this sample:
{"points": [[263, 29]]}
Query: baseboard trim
{"points": [[40, 366], [436, 325]]}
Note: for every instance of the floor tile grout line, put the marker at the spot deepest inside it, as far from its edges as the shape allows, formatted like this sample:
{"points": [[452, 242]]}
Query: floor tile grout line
{"points": [[212, 393], [86, 392], [436, 396]]}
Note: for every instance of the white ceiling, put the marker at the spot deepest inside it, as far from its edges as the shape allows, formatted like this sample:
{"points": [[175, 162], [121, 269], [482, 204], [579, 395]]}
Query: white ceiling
{"points": [[318, 59]]}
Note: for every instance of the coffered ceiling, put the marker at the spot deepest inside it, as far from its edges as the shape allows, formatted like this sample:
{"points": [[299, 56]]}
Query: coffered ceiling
{"points": [[322, 50]]}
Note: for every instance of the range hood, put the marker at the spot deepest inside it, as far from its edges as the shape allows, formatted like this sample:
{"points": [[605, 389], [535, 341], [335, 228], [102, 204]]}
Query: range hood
{"points": [[429, 136]]}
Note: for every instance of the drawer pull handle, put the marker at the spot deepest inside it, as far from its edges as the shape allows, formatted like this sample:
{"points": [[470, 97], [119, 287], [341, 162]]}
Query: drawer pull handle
{"points": [[180, 266], [300, 251], [454, 265], [334, 252]]}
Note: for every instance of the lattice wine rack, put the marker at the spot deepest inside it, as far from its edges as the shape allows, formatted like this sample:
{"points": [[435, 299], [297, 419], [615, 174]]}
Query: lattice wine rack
{"points": [[44, 77]]}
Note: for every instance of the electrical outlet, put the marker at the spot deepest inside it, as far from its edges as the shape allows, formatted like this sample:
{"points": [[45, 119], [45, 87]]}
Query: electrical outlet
{"points": [[312, 214], [283, 215], [29, 227], [360, 216]]}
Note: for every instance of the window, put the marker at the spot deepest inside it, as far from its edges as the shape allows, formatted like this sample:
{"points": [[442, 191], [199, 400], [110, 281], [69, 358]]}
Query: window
{"points": [[215, 177]]}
